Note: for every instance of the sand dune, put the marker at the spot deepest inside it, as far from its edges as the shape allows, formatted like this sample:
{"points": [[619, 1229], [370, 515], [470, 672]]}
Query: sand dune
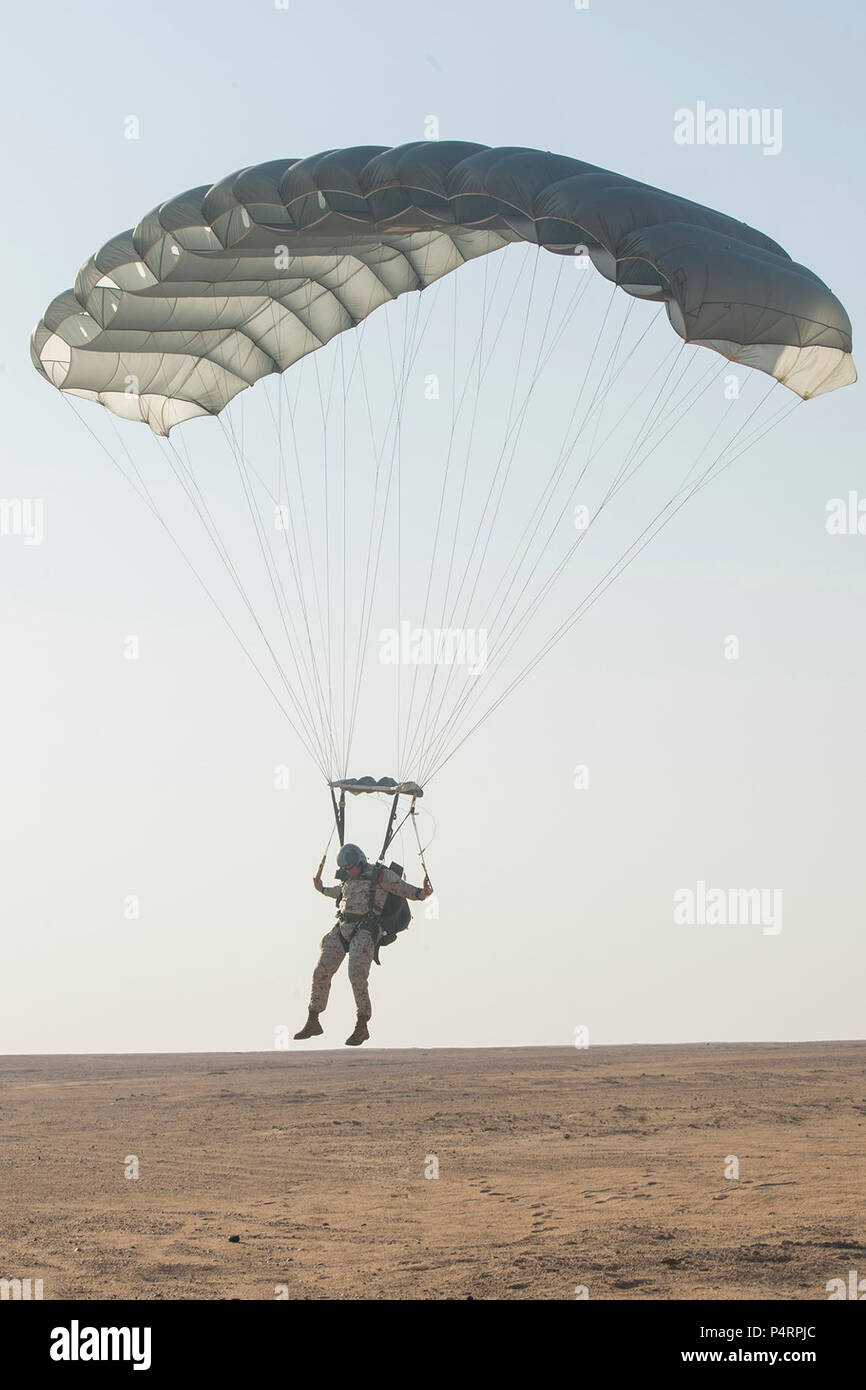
{"points": [[557, 1168]]}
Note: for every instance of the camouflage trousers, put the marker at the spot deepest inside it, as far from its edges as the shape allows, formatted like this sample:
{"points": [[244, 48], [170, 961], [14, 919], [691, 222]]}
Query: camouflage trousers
{"points": [[361, 947]]}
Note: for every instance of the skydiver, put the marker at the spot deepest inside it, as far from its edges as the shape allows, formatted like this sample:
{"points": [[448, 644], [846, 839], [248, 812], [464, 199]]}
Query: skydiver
{"points": [[361, 897]]}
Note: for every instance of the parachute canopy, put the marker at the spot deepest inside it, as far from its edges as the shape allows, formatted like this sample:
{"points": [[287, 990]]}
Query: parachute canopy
{"points": [[229, 282], [385, 534]]}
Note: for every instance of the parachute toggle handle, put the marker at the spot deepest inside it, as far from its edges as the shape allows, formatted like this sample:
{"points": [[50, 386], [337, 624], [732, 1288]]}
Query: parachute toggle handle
{"points": [[328, 845]]}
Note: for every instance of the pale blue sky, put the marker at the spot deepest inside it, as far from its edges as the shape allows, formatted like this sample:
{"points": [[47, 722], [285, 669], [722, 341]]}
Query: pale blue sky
{"points": [[155, 778]]}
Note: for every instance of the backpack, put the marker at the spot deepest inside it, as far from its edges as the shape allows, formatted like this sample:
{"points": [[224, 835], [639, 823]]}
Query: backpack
{"points": [[394, 917]]}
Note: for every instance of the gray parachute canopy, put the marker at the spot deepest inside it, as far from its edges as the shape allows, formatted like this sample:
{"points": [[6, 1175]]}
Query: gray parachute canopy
{"points": [[229, 282]]}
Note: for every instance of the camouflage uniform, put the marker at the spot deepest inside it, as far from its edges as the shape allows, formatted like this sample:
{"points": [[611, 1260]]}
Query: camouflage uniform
{"points": [[357, 897]]}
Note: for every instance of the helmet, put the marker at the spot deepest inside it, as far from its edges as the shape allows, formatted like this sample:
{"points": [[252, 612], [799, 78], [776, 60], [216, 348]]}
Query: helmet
{"points": [[349, 856]]}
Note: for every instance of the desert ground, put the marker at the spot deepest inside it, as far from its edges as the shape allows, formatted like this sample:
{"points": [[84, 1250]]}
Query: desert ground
{"points": [[313, 1175]]}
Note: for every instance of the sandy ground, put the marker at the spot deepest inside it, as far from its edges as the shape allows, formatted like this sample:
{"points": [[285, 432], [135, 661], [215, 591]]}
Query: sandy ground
{"points": [[556, 1168]]}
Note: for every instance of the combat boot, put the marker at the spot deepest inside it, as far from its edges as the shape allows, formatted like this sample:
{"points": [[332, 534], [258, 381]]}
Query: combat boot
{"points": [[361, 1034], [311, 1029]]}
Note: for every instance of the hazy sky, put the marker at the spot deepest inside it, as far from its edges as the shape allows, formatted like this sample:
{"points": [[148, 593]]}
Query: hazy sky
{"points": [[154, 778]]}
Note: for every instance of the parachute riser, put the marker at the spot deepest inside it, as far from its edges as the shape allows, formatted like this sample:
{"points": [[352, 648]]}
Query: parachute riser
{"points": [[391, 830], [339, 814], [339, 809]]}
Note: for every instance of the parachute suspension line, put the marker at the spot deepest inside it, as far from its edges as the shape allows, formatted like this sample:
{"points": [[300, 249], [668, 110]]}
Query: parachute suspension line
{"points": [[471, 695], [456, 408], [607, 379], [532, 608], [398, 450], [370, 582], [142, 492], [299, 473], [273, 571], [327, 715], [271, 568], [325, 411], [562, 456], [236, 448], [619, 480], [327, 718], [199, 505], [512, 397], [310, 566], [235, 444], [632, 464], [308, 675], [672, 507], [190, 467], [401, 735], [281, 460], [339, 765], [398, 460], [607, 369], [370, 588], [197, 501], [514, 429], [422, 732], [343, 663], [542, 507], [185, 478], [577, 296], [401, 769], [327, 530], [464, 479], [342, 765], [296, 566], [432, 725], [665, 403], [378, 455], [785, 410]]}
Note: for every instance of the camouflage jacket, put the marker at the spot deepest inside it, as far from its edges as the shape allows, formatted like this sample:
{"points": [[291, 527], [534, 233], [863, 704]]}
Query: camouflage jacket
{"points": [[369, 891]]}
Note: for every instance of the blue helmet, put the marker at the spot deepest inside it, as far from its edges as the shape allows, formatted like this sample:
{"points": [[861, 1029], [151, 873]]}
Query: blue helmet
{"points": [[349, 856]]}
